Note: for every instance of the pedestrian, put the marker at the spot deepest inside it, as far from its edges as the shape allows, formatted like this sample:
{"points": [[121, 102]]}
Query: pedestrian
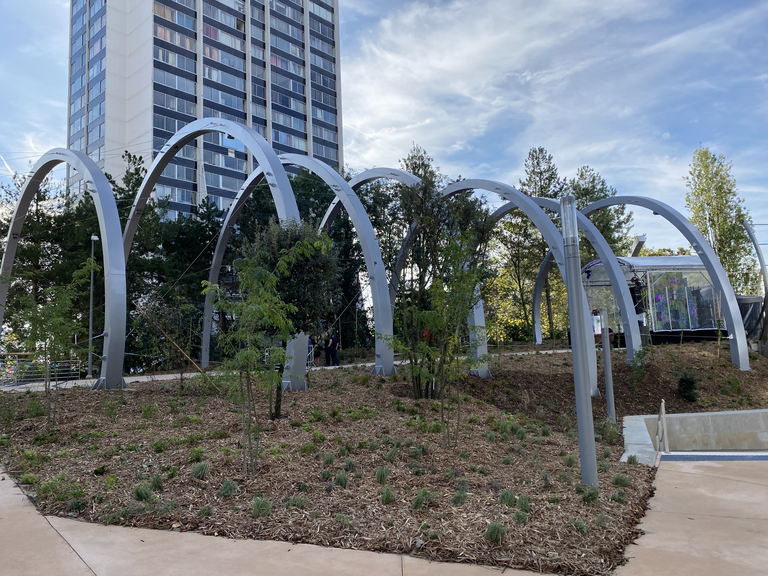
{"points": [[327, 347], [318, 350], [335, 350]]}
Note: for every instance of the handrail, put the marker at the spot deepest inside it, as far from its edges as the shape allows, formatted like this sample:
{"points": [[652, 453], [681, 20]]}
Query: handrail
{"points": [[661, 430]]}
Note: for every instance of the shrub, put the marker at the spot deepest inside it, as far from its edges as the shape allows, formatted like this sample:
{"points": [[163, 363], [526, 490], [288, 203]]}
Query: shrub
{"points": [[520, 433], [325, 474], [391, 455], [328, 459], [495, 533], [296, 502], [341, 479], [524, 503], [218, 434], [632, 459], [159, 446], [34, 409], [156, 483], [349, 465], [520, 517], [308, 448], [77, 505], [142, 493], [554, 499], [200, 470], [545, 480], [387, 495], [608, 430], [564, 478], [602, 520], [111, 482], [590, 494], [580, 527], [508, 460], [507, 498], [686, 385], [195, 455], [318, 437], [261, 507], [459, 498], [638, 372], [570, 461], [603, 467], [45, 437], [621, 481], [317, 416], [206, 511], [424, 496], [343, 451], [148, 410], [620, 496], [229, 488], [382, 474], [29, 479]]}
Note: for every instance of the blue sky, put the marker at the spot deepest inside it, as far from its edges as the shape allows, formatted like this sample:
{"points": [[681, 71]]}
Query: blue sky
{"points": [[628, 88]]}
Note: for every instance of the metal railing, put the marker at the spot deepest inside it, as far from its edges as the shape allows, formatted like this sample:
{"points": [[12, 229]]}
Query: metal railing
{"points": [[20, 369], [662, 438]]}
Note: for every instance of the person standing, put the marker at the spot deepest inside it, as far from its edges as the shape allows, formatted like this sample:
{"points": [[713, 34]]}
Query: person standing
{"points": [[318, 350], [327, 346], [335, 350]]}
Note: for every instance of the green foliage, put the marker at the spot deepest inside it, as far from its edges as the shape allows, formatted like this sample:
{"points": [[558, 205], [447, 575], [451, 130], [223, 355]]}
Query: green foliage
{"points": [[61, 489], [459, 498], [619, 496], [507, 498], [349, 465], [580, 526], [608, 430], [328, 459], [382, 474], [318, 437], [391, 455], [590, 494], [149, 410], [341, 479], [195, 455], [632, 459], [45, 437], [110, 482], [206, 511], [159, 446], [261, 507], [570, 461], [34, 409], [308, 448], [686, 385], [424, 496], [142, 493], [296, 502], [621, 481], [387, 495], [29, 479], [524, 503], [156, 482], [200, 470], [638, 371], [521, 517], [546, 430], [495, 533]]}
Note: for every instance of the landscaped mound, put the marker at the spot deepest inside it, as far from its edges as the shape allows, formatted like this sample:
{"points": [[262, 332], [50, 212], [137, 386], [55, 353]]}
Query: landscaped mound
{"points": [[351, 465]]}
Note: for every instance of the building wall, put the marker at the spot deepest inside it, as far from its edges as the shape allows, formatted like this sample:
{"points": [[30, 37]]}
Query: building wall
{"points": [[156, 65]]}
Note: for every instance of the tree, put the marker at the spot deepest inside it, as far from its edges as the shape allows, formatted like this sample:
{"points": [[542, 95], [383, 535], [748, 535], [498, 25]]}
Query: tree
{"points": [[679, 251], [718, 213]]}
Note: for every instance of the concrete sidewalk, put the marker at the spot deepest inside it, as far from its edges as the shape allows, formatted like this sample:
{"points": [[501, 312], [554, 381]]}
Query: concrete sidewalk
{"points": [[35, 545], [708, 517]]}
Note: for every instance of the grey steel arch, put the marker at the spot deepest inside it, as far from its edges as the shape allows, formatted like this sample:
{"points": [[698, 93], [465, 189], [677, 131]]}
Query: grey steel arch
{"points": [[515, 199], [538, 290], [263, 155], [345, 197], [114, 262], [730, 309], [615, 275]]}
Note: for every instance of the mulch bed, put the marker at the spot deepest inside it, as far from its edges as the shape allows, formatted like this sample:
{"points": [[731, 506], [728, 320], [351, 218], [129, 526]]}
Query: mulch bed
{"points": [[107, 444]]}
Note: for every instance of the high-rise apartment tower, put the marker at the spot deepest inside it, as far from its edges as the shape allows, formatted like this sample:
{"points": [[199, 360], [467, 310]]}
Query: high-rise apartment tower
{"points": [[142, 69]]}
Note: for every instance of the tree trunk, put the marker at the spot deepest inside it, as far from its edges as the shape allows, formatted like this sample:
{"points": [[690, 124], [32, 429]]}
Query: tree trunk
{"points": [[550, 318]]}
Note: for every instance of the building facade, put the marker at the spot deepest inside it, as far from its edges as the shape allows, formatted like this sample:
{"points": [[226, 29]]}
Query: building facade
{"points": [[142, 69]]}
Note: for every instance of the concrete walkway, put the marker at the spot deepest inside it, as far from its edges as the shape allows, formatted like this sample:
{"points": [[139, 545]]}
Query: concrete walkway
{"points": [[35, 545], [709, 517]]}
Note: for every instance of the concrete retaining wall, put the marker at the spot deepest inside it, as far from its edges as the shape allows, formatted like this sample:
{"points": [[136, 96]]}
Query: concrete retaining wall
{"points": [[737, 430]]}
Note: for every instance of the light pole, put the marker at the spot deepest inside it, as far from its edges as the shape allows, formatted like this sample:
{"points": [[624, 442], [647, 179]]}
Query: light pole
{"points": [[94, 238]]}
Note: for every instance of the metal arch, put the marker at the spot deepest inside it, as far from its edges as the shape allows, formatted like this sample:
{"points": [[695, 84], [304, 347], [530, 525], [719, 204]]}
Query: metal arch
{"points": [[516, 199], [538, 289], [718, 276], [263, 155], [114, 261], [365, 178], [615, 275]]}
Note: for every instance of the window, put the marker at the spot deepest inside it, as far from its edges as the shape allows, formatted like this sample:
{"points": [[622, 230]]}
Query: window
{"points": [[211, 113], [262, 130], [238, 5], [97, 5], [324, 115], [79, 42], [97, 25], [258, 71], [287, 83], [220, 97], [227, 39], [318, 10], [175, 194], [258, 91], [225, 141], [285, 28], [285, 46], [220, 202], [257, 33], [257, 52], [325, 151], [323, 98], [96, 134], [97, 46], [223, 161], [79, 22], [175, 38], [224, 58], [258, 110], [288, 102], [167, 123], [322, 62], [173, 81], [77, 125], [174, 16], [96, 112], [288, 121], [77, 84], [77, 104], [323, 80], [216, 75], [177, 60], [289, 140], [179, 172], [98, 154], [223, 182], [286, 64], [176, 104], [325, 134], [187, 3], [257, 14], [321, 28], [187, 152], [285, 10], [224, 17], [96, 69], [78, 144], [321, 45], [97, 89], [78, 5]]}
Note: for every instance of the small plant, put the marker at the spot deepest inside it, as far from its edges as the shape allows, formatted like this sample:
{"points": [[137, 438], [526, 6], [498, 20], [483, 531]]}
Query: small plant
{"points": [[387, 495], [459, 498], [344, 520], [620, 496], [507, 498], [382, 474], [606, 453], [546, 430], [349, 465], [200, 470], [342, 479], [524, 503], [602, 520], [317, 416], [621, 481], [590, 494], [520, 517], [546, 481], [554, 499], [608, 430], [565, 479], [424, 496], [328, 459], [156, 483], [632, 459], [195, 455], [206, 511], [508, 460], [110, 482], [325, 474], [580, 527], [296, 502], [308, 448], [229, 488], [45, 437], [149, 410], [638, 372], [318, 437], [520, 434], [261, 507], [159, 446], [29, 479], [603, 467], [142, 493], [391, 455], [686, 385], [570, 461], [495, 533]]}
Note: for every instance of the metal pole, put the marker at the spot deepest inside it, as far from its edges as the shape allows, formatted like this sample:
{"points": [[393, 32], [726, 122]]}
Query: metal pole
{"points": [[90, 317], [578, 342], [607, 363]]}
